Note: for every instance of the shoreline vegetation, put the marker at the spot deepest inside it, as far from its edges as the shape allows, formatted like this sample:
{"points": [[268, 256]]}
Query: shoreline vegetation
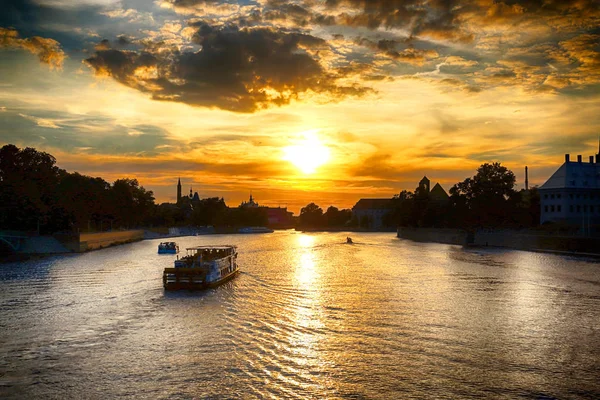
{"points": [[52, 209]]}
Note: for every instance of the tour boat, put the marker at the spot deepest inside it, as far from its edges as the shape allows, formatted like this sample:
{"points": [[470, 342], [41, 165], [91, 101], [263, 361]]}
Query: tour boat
{"points": [[255, 229], [168, 248], [203, 267]]}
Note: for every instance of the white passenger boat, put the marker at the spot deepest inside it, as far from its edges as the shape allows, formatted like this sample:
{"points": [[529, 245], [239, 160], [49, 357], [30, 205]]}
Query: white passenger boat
{"points": [[255, 229], [203, 267]]}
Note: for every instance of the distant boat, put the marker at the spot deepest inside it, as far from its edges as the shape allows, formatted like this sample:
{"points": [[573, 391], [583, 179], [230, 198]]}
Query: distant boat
{"points": [[255, 229], [349, 240], [168, 248], [203, 267]]}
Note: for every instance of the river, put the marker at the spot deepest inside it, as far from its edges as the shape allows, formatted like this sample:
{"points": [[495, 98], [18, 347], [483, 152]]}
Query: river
{"points": [[308, 317]]}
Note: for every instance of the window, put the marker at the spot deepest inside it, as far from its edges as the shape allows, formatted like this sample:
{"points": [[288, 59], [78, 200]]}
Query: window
{"points": [[571, 196], [585, 208], [578, 209], [545, 196], [551, 208], [578, 196], [571, 208], [552, 196], [558, 208], [558, 195], [545, 208]]}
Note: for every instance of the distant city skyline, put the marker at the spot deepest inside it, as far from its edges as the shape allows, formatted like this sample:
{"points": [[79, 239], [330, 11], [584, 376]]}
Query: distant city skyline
{"points": [[301, 101]]}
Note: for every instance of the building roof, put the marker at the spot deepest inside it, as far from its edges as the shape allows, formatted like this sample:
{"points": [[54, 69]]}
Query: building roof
{"points": [[373, 204], [575, 175], [438, 192]]}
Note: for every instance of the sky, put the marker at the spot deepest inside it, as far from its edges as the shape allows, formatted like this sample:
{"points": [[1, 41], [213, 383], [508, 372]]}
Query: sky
{"points": [[324, 101]]}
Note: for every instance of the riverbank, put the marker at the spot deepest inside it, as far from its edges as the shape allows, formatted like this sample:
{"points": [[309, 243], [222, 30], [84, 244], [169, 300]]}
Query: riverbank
{"points": [[23, 247], [518, 240]]}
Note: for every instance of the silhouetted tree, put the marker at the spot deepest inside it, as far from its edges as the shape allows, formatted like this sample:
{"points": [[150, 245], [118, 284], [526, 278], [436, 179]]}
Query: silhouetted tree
{"points": [[210, 211], [85, 201], [28, 182], [311, 216], [402, 213], [133, 204], [335, 217], [484, 199]]}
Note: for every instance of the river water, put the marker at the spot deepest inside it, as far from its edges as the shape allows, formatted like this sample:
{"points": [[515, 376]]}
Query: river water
{"points": [[308, 317]]}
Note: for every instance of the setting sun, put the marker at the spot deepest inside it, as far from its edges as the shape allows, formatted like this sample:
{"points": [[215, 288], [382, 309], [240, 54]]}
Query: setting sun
{"points": [[308, 153]]}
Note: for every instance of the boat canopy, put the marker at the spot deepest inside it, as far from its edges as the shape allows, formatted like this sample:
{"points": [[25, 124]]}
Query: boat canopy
{"points": [[223, 247]]}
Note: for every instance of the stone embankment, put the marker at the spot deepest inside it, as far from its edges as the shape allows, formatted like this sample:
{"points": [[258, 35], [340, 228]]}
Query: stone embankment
{"points": [[93, 241], [32, 244], [520, 240]]}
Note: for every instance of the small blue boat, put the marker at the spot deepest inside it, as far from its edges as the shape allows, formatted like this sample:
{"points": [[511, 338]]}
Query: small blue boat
{"points": [[168, 248]]}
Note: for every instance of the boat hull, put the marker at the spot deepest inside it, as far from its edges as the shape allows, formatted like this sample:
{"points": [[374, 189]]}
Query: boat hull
{"points": [[161, 251], [191, 279]]}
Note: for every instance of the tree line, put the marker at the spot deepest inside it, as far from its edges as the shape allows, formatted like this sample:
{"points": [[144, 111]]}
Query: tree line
{"points": [[36, 195], [486, 200]]}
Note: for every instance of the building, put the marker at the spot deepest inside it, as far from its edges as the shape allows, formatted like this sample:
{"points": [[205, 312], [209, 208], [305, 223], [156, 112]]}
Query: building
{"points": [[249, 204], [370, 212], [438, 195], [572, 194], [187, 202], [278, 217]]}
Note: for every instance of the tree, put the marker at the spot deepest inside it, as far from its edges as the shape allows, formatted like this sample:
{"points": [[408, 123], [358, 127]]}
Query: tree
{"points": [[28, 181], [311, 216], [335, 217], [484, 198], [402, 213], [133, 204]]}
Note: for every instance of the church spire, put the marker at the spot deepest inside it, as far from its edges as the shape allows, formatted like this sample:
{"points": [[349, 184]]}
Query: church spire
{"points": [[178, 190]]}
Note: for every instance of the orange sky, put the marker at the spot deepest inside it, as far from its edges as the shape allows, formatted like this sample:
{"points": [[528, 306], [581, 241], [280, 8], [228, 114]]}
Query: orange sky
{"points": [[240, 97]]}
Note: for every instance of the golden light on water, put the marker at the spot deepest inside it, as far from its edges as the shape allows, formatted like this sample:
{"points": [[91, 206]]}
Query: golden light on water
{"points": [[308, 153]]}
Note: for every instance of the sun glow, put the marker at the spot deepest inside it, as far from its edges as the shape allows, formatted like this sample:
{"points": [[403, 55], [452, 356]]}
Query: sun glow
{"points": [[308, 154]]}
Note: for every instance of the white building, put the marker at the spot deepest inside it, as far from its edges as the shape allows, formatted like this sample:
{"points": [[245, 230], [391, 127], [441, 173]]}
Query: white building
{"points": [[572, 194]]}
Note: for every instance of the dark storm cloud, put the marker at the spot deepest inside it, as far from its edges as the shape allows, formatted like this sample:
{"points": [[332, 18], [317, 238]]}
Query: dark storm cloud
{"points": [[237, 69]]}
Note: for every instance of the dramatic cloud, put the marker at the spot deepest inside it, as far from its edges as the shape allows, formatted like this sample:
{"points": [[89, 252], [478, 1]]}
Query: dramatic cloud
{"points": [[397, 88], [47, 50], [237, 69]]}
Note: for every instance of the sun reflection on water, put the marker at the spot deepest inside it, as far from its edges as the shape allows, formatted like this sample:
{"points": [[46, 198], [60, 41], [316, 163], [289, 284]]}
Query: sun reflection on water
{"points": [[307, 312]]}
